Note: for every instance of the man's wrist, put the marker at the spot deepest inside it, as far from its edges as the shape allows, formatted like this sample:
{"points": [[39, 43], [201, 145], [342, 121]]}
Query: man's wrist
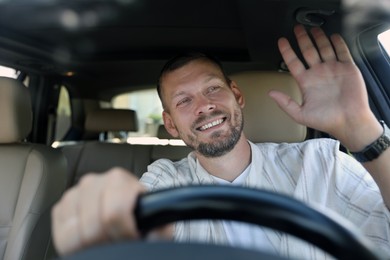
{"points": [[376, 148]]}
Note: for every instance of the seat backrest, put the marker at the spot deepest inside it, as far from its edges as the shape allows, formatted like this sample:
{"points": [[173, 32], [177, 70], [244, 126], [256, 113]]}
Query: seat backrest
{"points": [[264, 121], [32, 179], [99, 156], [162, 133], [172, 152], [106, 120]]}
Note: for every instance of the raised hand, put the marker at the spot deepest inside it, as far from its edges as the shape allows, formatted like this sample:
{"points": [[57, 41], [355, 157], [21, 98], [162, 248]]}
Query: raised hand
{"points": [[333, 91]]}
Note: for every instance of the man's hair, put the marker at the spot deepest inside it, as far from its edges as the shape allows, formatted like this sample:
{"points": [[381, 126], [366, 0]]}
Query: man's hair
{"points": [[183, 59]]}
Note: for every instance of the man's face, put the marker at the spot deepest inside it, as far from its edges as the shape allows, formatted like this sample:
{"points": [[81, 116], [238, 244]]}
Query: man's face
{"points": [[202, 109]]}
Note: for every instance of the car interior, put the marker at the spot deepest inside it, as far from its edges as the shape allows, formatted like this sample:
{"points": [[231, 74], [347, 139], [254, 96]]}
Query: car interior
{"points": [[79, 93]]}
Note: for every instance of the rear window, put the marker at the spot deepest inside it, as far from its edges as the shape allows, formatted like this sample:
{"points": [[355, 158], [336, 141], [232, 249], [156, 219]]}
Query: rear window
{"points": [[148, 107]]}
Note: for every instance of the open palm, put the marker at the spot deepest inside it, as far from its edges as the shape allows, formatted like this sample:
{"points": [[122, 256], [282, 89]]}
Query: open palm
{"points": [[332, 87]]}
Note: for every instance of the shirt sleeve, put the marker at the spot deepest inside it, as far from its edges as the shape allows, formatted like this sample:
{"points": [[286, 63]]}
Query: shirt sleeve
{"points": [[360, 201], [161, 174]]}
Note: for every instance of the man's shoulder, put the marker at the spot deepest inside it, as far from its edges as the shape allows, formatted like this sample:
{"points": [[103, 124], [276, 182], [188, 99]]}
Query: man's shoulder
{"points": [[164, 173], [308, 142], [325, 145], [171, 164]]}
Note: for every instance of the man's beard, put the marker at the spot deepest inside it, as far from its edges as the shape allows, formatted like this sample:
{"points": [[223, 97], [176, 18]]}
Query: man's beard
{"points": [[226, 144], [217, 149]]}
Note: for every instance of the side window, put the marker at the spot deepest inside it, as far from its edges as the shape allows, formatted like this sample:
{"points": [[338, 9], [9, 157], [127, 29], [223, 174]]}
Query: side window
{"points": [[8, 72], [148, 107], [373, 49], [12, 73], [384, 39], [63, 122]]}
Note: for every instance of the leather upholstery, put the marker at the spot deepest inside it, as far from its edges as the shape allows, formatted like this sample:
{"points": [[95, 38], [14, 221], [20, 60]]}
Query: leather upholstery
{"points": [[264, 121], [96, 156], [171, 152], [162, 133], [15, 109], [99, 156], [103, 120], [32, 178]]}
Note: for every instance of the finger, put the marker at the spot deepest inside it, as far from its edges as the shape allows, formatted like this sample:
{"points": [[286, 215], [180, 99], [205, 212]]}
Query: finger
{"points": [[65, 223], [164, 232], [287, 104], [341, 48], [293, 63], [306, 46], [118, 203], [90, 189], [324, 45]]}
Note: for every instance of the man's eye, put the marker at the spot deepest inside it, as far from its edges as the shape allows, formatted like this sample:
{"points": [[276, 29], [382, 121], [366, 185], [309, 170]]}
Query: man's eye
{"points": [[183, 102], [212, 89]]}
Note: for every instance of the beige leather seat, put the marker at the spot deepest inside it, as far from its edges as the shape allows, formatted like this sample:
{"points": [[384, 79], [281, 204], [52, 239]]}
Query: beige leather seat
{"points": [[99, 156], [264, 121], [111, 120], [171, 152], [32, 178]]}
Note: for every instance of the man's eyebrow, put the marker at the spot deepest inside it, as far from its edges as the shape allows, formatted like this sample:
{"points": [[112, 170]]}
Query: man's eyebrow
{"points": [[209, 78], [212, 77], [180, 93]]}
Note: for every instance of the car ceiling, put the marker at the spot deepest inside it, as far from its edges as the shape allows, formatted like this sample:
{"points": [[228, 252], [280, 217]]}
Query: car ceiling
{"points": [[112, 46]]}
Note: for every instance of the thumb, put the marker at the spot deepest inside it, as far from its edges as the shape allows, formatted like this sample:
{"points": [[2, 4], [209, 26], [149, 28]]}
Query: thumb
{"points": [[287, 104]]}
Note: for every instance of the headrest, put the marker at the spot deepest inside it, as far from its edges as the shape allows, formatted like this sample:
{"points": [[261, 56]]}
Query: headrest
{"points": [[264, 121], [15, 111], [104, 120], [162, 133]]}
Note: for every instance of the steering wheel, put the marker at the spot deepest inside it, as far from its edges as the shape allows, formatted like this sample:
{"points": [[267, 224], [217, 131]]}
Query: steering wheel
{"points": [[254, 206]]}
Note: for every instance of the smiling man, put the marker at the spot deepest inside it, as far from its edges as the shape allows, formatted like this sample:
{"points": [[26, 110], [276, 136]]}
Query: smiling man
{"points": [[203, 107]]}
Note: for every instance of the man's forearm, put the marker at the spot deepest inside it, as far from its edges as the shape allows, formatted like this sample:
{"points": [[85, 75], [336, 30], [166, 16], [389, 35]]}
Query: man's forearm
{"points": [[380, 171]]}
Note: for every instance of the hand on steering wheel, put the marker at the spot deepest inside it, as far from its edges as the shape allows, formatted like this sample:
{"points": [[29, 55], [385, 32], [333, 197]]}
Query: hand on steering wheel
{"points": [[234, 203]]}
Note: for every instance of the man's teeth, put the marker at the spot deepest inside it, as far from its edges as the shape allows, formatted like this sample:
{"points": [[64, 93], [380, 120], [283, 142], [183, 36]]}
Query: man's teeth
{"points": [[209, 125]]}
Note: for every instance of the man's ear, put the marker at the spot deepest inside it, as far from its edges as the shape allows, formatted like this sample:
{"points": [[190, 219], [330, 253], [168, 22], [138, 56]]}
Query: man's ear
{"points": [[169, 125], [237, 93]]}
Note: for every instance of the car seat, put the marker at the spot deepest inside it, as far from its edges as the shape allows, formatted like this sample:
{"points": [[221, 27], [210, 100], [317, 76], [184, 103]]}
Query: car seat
{"points": [[101, 155], [32, 179], [264, 121]]}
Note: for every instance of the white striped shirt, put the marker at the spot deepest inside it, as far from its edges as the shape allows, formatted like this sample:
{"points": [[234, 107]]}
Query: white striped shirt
{"points": [[314, 171], [239, 233]]}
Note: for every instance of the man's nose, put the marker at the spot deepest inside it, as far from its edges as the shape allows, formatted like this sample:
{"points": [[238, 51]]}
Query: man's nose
{"points": [[204, 105]]}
